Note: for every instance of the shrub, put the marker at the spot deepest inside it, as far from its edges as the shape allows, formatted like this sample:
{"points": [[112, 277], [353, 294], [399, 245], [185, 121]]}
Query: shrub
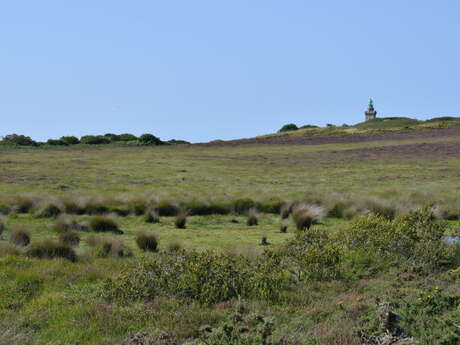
{"points": [[241, 206], [149, 139], [152, 216], [108, 246], [48, 210], [20, 237], [21, 140], [50, 249], [253, 218], [147, 241], [70, 140], [309, 126], [288, 127], [312, 255], [166, 209], [127, 137], [380, 208], [56, 142], [104, 224], [65, 223], [306, 215], [70, 238], [181, 220], [94, 140], [8, 249]]}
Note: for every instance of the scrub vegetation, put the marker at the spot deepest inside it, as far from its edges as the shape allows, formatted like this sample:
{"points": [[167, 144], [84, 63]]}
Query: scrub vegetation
{"points": [[258, 241]]}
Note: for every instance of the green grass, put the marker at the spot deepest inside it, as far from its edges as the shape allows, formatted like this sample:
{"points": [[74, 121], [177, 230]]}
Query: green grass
{"points": [[58, 302]]}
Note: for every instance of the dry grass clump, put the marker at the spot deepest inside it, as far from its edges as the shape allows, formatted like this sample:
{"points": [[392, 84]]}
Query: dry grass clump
{"points": [[66, 223], [138, 206], [108, 246], [23, 204], [283, 228], [152, 216], [50, 249], [253, 218], [306, 215], [70, 238], [147, 241], [48, 209], [8, 249], [2, 226], [174, 246], [264, 241], [181, 220], [20, 237], [73, 205], [104, 224], [285, 211]]}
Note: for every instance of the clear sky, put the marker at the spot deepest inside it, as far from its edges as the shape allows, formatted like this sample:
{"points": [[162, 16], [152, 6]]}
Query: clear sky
{"points": [[203, 70]]}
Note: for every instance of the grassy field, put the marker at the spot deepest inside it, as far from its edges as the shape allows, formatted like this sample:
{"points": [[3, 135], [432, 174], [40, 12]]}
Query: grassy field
{"points": [[328, 290]]}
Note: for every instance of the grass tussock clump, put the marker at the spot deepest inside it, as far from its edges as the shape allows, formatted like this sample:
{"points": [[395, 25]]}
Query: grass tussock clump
{"points": [[181, 220], [147, 241], [306, 215], [285, 211], [152, 216], [138, 207], [104, 224], [166, 208], [174, 247], [66, 223], [23, 204], [48, 210], [201, 208], [253, 218], [283, 228], [2, 226], [20, 237], [51, 249], [108, 246], [70, 238], [8, 249], [241, 206]]}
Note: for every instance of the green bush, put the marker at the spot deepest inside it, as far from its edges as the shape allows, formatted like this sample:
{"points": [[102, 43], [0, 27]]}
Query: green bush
{"points": [[20, 140], [149, 139], [289, 127], [70, 238], [104, 224], [56, 142], [20, 237], [70, 140], [147, 241], [241, 206], [94, 140], [50, 249]]}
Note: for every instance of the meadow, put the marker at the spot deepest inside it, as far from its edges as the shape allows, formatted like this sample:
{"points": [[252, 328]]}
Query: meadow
{"points": [[365, 223]]}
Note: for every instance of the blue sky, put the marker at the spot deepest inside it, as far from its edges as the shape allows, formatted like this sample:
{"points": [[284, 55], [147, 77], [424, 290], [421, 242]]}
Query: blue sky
{"points": [[204, 70]]}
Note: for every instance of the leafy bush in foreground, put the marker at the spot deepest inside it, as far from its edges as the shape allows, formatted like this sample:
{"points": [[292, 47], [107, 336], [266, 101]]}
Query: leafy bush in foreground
{"points": [[50, 249]]}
